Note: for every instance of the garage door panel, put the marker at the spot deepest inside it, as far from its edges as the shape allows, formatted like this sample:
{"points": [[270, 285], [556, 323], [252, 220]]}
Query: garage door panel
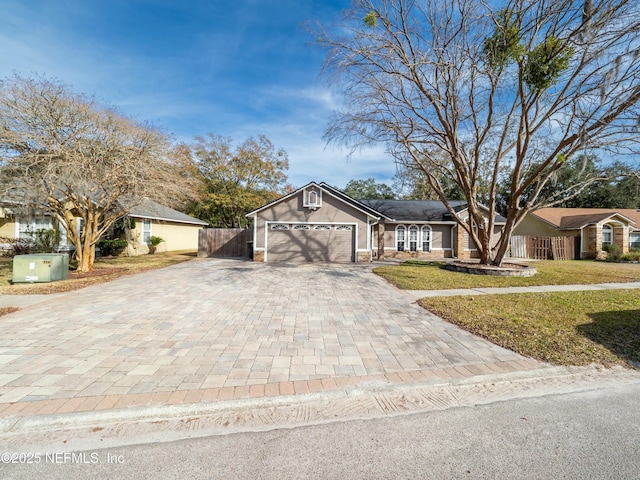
{"points": [[310, 245]]}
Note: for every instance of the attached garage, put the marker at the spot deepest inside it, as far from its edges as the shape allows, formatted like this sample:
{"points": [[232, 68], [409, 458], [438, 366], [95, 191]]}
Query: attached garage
{"points": [[316, 223], [304, 242]]}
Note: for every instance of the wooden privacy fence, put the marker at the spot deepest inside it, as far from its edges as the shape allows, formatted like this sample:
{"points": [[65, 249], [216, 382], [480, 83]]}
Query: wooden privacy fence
{"points": [[545, 248], [225, 242]]}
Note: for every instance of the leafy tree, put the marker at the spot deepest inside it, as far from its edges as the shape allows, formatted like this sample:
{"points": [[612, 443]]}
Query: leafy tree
{"points": [[234, 182], [618, 187], [474, 92], [65, 153], [368, 189], [412, 185]]}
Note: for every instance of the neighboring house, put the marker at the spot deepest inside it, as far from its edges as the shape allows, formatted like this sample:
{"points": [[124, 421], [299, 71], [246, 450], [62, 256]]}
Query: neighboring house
{"points": [[319, 223], [179, 231], [596, 227]]}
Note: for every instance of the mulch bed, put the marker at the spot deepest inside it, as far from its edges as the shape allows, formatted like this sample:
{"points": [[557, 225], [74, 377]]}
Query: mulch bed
{"points": [[98, 272]]}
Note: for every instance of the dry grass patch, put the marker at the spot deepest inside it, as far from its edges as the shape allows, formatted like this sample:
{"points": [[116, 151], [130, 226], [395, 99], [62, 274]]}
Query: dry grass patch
{"points": [[563, 328], [433, 276], [106, 269]]}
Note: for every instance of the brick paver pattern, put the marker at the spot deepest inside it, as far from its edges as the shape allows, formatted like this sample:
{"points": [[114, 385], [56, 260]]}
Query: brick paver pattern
{"points": [[214, 329]]}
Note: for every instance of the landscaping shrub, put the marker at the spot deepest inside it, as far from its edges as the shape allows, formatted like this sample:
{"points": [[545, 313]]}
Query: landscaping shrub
{"points": [[113, 247], [154, 242], [632, 256], [16, 246], [45, 240], [614, 252]]}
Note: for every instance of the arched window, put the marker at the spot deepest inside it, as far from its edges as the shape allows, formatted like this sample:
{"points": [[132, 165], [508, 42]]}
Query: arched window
{"points": [[413, 238], [400, 236], [607, 235], [426, 238]]}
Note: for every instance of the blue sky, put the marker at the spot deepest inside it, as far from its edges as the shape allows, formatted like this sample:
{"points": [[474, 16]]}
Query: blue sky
{"points": [[232, 68]]}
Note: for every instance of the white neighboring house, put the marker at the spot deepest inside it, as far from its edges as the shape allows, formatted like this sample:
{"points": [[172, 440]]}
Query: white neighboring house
{"points": [[178, 230]]}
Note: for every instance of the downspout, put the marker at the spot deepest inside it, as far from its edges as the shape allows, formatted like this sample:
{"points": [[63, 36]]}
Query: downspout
{"points": [[581, 240]]}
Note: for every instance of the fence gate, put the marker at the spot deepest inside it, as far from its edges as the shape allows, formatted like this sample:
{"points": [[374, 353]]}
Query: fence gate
{"points": [[519, 246], [225, 242], [543, 248]]}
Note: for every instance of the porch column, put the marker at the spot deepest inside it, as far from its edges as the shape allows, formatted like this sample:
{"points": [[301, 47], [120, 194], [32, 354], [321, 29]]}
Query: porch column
{"points": [[621, 237], [461, 253], [598, 239], [380, 239]]}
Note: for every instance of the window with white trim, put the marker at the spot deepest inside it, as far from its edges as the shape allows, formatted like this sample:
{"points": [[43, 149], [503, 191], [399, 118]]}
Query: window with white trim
{"points": [[146, 230], [413, 238], [634, 240], [400, 236], [426, 238], [26, 227], [607, 235], [279, 226]]}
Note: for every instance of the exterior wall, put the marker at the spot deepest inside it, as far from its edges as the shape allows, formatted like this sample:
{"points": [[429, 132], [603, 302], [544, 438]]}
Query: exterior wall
{"points": [[332, 211], [177, 236], [536, 227], [7, 228], [440, 241]]}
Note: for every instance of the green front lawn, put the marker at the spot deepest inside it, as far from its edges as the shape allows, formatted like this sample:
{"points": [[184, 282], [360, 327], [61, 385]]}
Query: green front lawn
{"points": [[434, 277], [563, 328], [106, 269]]}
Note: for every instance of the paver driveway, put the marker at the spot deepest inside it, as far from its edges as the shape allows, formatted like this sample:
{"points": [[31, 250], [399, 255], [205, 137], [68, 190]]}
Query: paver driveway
{"points": [[213, 323]]}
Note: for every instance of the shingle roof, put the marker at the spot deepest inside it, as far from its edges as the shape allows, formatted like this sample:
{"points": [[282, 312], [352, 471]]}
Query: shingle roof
{"points": [[419, 210], [155, 211], [575, 218]]}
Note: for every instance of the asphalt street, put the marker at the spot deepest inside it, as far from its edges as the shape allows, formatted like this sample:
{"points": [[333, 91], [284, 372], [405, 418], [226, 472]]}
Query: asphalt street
{"points": [[585, 435]]}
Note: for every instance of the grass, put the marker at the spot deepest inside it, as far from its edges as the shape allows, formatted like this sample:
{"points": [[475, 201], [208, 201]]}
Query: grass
{"points": [[563, 328], [432, 276], [107, 269]]}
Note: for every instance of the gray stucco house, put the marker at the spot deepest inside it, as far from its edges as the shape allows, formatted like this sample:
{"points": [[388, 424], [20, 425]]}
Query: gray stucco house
{"points": [[319, 223]]}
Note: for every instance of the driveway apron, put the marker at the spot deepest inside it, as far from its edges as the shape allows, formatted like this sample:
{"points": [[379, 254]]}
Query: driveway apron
{"points": [[214, 324]]}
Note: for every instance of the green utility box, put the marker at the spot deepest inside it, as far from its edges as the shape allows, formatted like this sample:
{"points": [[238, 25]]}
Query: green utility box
{"points": [[40, 268]]}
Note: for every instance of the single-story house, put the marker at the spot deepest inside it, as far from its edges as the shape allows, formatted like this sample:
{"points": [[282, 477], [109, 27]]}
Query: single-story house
{"points": [[179, 231], [317, 222], [596, 227]]}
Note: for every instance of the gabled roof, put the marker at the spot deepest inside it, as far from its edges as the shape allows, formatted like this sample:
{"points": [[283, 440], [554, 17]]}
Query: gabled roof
{"points": [[154, 211], [576, 218], [393, 210], [331, 191], [420, 210], [362, 205], [415, 210]]}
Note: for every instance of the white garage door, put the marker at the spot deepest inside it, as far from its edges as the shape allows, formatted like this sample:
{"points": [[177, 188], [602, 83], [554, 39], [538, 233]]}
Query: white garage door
{"points": [[310, 243]]}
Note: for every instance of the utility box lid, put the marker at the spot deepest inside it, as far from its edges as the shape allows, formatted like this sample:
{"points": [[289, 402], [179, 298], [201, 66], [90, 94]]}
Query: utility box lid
{"points": [[40, 268]]}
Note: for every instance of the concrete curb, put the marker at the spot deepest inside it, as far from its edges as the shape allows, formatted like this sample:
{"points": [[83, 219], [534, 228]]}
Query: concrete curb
{"points": [[86, 430]]}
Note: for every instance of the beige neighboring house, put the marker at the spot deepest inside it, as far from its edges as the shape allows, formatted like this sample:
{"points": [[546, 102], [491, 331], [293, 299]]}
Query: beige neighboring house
{"points": [[179, 231], [595, 227], [318, 223]]}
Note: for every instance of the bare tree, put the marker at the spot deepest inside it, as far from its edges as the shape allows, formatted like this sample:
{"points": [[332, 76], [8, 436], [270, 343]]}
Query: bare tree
{"points": [[469, 92], [63, 153]]}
